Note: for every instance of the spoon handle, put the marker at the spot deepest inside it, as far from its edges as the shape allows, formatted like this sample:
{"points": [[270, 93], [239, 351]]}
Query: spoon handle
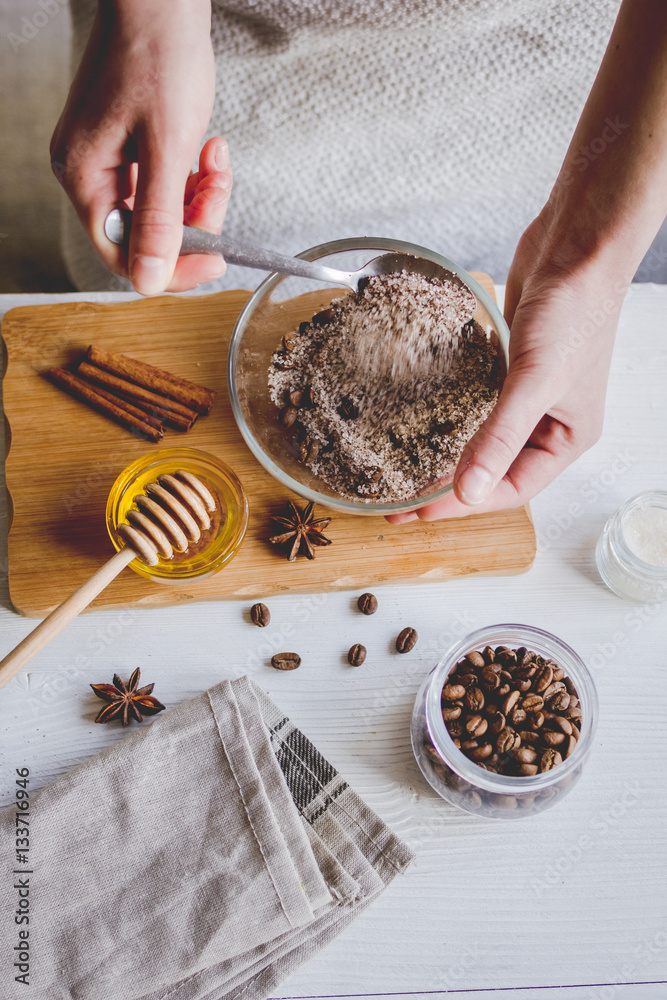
{"points": [[117, 228]]}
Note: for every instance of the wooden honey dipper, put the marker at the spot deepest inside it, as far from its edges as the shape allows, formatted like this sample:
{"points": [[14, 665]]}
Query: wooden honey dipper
{"points": [[169, 516]]}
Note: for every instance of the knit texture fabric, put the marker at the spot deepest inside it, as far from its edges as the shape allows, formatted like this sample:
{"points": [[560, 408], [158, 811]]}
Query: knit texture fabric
{"points": [[441, 122]]}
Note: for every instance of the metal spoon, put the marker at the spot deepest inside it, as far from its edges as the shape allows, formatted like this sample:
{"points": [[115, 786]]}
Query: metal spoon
{"points": [[117, 228]]}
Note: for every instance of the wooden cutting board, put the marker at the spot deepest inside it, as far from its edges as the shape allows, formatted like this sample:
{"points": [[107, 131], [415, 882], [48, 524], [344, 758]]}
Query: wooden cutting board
{"points": [[63, 459]]}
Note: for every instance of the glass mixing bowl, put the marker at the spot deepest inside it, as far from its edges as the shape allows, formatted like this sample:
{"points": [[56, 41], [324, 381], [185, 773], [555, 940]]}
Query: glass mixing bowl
{"points": [[276, 308]]}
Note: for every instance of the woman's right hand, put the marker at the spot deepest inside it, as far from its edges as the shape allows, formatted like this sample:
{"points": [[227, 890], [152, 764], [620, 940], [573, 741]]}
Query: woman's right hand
{"points": [[130, 131]]}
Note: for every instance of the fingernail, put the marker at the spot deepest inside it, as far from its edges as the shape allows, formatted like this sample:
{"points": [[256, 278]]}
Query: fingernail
{"points": [[149, 275], [222, 156], [474, 485]]}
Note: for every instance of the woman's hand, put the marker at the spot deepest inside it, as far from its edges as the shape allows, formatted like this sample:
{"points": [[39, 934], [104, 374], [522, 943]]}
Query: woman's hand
{"points": [[130, 131], [569, 275], [551, 406]]}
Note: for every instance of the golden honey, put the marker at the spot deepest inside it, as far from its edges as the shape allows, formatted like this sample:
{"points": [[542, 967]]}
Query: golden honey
{"points": [[217, 545]]}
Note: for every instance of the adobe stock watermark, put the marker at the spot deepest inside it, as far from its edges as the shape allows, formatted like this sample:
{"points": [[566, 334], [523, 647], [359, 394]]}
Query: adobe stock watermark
{"points": [[301, 612], [31, 26], [56, 686], [599, 826], [643, 954], [578, 336], [613, 127], [408, 679], [589, 493], [634, 621]]}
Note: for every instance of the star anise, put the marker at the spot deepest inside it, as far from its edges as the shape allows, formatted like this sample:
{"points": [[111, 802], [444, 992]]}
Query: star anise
{"points": [[125, 701], [303, 531]]}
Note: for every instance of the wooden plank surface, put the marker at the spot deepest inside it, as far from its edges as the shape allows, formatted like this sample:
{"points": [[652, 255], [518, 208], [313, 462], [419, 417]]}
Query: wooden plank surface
{"points": [[63, 459]]}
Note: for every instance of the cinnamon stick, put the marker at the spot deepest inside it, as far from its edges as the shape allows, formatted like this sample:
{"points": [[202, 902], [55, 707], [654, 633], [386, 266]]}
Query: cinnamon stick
{"points": [[84, 392], [129, 407], [196, 397], [167, 417], [149, 401]]}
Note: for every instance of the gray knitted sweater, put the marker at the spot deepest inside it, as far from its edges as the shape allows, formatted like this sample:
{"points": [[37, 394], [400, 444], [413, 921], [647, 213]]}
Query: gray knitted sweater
{"points": [[443, 122]]}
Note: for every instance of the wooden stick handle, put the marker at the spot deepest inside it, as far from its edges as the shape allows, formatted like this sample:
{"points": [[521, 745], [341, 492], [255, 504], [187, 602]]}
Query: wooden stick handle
{"points": [[63, 614]]}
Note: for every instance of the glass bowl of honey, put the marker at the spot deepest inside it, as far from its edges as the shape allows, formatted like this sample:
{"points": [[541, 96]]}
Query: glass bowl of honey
{"points": [[217, 544]]}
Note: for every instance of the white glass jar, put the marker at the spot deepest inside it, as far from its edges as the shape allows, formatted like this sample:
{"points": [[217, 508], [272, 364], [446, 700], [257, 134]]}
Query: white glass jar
{"points": [[625, 547], [460, 780]]}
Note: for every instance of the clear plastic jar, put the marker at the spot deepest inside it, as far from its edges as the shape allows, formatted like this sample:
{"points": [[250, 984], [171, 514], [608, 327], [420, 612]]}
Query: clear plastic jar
{"points": [[461, 781], [618, 561]]}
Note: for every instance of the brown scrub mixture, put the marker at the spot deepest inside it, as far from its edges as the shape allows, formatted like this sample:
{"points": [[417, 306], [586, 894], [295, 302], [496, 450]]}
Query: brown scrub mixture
{"points": [[383, 389]]}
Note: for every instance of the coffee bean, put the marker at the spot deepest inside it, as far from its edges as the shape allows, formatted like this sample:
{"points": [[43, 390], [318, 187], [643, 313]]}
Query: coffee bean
{"points": [[470, 744], [450, 712], [468, 680], [288, 416], [560, 722], [474, 699], [323, 317], [509, 702], [507, 741], [552, 689], [483, 751], [543, 680], [260, 615], [368, 604], [497, 723], [488, 654], [310, 397], [550, 759], [525, 755], [523, 686], [569, 746], [472, 800], [286, 661], [348, 409], [289, 343], [455, 727], [475, 659], [518, 716], [536, 720], [553, 738], [295, 398], [506, 656], [489, 679], [356, 654], [560, 701], [407, 639], [528, 736], [533, 703], [451, 692], [309, 450], [432, 753], [503, 690], [476, 725], [526, 770]]}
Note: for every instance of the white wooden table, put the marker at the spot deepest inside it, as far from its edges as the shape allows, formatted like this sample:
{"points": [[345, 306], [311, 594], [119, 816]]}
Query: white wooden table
{"points": [[569, 905]]}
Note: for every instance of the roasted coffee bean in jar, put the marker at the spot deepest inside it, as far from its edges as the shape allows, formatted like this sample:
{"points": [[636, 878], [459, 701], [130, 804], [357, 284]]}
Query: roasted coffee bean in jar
{"points": [[504, 723]]}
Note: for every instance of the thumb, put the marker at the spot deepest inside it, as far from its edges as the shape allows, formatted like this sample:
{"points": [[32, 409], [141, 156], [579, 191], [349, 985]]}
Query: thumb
{"points": [[525, 398], [157, 218]]}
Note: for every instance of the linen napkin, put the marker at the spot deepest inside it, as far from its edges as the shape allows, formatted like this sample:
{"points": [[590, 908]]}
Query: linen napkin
{"points": [[204, 857]]}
